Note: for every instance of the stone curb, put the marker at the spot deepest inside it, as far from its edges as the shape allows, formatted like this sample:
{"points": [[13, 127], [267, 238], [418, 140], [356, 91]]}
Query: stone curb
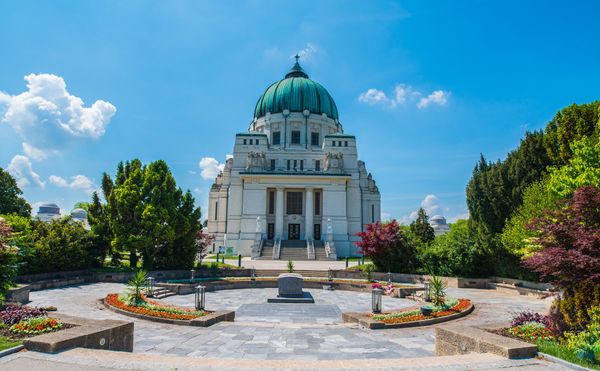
{"points": [[204, 321], [562, 362], [367, 322], [12, 350]]}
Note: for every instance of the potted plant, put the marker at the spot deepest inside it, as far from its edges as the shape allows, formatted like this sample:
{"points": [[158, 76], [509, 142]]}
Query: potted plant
{"points": [[426, 310]]}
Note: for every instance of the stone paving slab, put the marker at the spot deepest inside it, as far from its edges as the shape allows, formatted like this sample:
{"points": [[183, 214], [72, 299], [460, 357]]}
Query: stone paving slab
{"points": [[88, 360], [283, 340]]}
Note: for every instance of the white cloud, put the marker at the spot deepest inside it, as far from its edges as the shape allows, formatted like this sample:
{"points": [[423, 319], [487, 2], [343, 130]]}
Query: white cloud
{"points": [[47, 115], [20, 168], [438, 97], [308, 52], [403, 94], [430, 204], [78, 182], [198, 190], [210, 168], [374, 96], [36, 153]]}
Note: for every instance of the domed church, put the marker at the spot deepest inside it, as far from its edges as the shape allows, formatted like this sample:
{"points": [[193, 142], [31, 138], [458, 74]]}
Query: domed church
{"points": [[294, 188]]}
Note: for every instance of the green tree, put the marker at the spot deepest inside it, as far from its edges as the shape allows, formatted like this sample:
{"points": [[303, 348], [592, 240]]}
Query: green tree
{"points": [[456, 253], [421, 228], [582, 169], [516, 237], [59, 245], [147, 215], [569, 125], [11, 201], [8, 259]]}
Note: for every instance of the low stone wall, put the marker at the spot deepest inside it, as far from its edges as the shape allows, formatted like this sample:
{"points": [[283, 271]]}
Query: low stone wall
{"points": [[189, 288], [204, 321], [541, 286], [460, 339], [18, 295], [365, 320], [40, 277], [86, 333]]}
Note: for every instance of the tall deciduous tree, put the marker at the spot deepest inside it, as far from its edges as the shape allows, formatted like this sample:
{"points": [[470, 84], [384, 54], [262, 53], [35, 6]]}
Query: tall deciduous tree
{"points": [[387, 247], [11, 201], [570, 254]]}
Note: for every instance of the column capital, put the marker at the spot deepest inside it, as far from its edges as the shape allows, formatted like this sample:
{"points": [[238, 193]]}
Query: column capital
{"points": [[279, 189], [309, 189]]}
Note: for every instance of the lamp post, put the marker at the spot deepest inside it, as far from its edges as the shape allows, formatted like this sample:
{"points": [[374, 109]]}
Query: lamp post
{"points": [[376, 298], [150, 286], [427, 292], [200, 297], [253, 274], [389, 278], [330, 275], [192, 274]]}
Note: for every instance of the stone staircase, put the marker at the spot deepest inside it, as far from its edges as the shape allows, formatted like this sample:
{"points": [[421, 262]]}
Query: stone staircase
{"points": [[293, 250], [162, 292], [267, 250], [320, 251]]}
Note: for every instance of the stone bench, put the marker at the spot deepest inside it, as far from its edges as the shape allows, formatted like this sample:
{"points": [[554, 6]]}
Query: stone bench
{"points": [[460, 339], [86, 333]]}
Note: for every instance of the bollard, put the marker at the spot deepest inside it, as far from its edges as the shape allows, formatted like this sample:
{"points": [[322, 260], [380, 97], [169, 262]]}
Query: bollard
{"points": [[363, 260], [347, 262], [239, 260], [223, 259], [217, 257]]}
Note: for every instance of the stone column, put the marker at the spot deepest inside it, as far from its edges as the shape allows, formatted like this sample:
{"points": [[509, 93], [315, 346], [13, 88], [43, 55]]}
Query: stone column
{"points": [[279, 212], [309, 213]]}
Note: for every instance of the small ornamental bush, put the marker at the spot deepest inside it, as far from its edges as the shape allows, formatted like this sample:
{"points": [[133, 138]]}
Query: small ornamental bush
{"points": [[35, 326], [586, 344], [528, 317], [12, 314]]}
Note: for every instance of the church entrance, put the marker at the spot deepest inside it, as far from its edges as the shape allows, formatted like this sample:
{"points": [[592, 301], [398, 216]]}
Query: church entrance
{"points": [[317, 232], [270, 231], [293, 231]]}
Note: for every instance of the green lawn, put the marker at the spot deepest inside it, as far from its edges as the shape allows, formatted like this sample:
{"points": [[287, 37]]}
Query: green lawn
{"points": [[555, 349], [6, 343]]}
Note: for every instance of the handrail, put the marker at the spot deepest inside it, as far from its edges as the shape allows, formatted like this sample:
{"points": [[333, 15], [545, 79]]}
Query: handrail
{"points": [[310, 249], [257, 248], [276, 248]]}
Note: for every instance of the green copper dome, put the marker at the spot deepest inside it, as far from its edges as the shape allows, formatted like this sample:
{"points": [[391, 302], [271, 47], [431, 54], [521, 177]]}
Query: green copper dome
{"points": [[296, 92]]}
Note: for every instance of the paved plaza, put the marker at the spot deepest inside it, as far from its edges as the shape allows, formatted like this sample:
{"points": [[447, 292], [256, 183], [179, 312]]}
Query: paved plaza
{"points": [[306, 332]]}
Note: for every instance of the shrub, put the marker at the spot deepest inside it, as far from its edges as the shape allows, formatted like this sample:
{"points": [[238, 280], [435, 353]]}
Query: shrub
{"points": [[12, 314], [438, 291], [387, 247], [8, 259], [290, 266], [368, 271], [35, 326], [214, 269], [586, 344], [529, 317], [134, 294]]}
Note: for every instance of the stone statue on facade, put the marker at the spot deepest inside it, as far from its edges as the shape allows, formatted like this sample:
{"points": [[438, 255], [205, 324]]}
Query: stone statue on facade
{"points": [[256, 161], [334, 162]]}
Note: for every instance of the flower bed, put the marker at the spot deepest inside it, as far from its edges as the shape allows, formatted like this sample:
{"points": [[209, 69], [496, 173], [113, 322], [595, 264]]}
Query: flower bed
{"points": [[36, 326], [154, 309], [455, 306]]}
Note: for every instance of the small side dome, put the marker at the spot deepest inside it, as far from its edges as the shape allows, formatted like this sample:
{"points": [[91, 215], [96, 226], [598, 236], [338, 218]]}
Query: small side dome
{"points": [[49, 208], [79, 214], [438, 218]]}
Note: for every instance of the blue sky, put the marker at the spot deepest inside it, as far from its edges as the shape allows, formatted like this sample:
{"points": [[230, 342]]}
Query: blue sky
{"points": [[425, 86]]}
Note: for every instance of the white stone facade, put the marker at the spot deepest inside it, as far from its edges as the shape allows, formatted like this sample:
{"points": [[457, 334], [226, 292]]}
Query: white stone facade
{"points": [[298, 172]]}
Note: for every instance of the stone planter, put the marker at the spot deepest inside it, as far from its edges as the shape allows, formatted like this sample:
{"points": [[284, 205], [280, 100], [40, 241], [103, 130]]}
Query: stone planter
{"points": [[426, 311]]}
